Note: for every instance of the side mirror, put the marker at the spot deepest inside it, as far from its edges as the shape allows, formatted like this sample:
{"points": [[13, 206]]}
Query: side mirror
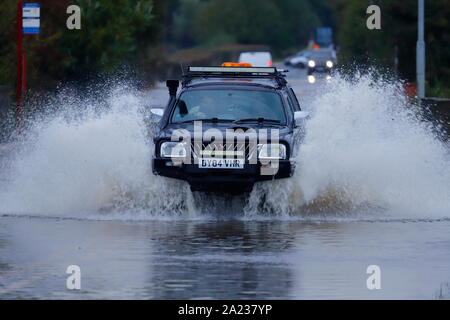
{"points": [[157, 112], [300, 116]]}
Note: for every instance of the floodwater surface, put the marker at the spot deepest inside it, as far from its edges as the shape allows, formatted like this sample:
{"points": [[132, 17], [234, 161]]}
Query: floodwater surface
{"points": [[371, 188], [223, 259]]}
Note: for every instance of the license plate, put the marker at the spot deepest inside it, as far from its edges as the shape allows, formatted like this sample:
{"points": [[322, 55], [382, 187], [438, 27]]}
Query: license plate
{"points": [[219, 163]]}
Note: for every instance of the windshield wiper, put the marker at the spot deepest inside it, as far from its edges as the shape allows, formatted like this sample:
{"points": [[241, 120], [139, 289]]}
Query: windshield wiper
{"points": [[206, 120], [259, 120]]}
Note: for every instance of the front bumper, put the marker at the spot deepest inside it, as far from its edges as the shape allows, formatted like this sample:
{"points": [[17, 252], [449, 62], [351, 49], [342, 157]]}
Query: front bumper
{"points": [[250, 174]]}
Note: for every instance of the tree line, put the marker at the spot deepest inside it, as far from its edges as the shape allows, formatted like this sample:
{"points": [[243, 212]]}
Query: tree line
{"points": [[394, 45], [141, 34]]}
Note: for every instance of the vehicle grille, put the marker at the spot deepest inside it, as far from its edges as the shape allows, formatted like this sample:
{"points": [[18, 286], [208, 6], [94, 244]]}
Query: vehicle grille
{"points": [[222, 150]]}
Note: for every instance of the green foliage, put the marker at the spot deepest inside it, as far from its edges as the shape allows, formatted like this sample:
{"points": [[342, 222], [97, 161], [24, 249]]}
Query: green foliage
{"points": [[439, 90], [111, 32], [42, 54], [228, 19], [141, 32], [299, 18], [438, 45], [397, 37], [279, 24], [183, 22], [7, 45]]}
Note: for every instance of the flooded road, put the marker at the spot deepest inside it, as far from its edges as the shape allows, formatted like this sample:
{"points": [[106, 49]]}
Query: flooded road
{"points": [[372, 188], [223, 259]]}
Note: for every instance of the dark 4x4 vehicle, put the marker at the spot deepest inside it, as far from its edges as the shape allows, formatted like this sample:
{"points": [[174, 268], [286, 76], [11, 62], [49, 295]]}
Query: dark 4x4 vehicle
{"points": [[228, 128]]}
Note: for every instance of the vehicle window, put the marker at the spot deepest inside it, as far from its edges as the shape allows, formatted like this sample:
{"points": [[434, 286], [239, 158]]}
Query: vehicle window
{"points": [[290, 102], [294, 98], [229, 104]]}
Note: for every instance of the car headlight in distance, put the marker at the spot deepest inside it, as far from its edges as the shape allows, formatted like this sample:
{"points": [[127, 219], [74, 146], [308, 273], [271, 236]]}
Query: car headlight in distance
{"points": [[311, 63], [329, 64], [272, 151], [173, 150], [311, 79]]}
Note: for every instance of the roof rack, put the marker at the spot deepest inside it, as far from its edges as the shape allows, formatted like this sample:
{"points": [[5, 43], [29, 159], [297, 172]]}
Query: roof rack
{"points": [[235, 72]]}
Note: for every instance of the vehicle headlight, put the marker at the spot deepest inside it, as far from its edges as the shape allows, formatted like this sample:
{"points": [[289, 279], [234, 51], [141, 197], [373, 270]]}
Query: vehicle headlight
{"points": [[329, 64], [173, 149], [272, 151], [311, 63]]}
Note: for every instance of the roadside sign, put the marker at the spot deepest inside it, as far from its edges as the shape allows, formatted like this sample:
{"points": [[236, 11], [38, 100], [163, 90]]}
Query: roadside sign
{"points": [[31, 13]]}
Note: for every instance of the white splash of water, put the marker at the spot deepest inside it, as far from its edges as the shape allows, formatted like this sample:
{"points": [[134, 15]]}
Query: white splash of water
{"points": [[364, 146], [99, 163]]}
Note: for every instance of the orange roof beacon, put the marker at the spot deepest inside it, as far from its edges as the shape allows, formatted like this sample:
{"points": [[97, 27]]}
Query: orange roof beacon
{"points": [[234, 64]]}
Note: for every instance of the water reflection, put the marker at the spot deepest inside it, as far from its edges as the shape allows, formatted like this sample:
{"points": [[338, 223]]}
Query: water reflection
{"points": [[221, 259], [225, 260]]}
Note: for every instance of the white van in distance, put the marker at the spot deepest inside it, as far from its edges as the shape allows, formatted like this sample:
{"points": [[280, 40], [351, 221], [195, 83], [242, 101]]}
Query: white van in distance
{"points": [[257, 59]]}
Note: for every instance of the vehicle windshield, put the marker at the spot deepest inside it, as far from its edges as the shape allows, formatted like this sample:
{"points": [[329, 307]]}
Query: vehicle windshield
{"points": [[321, 55], [229, 104]]}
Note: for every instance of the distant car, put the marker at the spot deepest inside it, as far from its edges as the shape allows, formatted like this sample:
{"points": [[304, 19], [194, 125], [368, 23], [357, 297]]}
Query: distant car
{"points": [[321, 60], [256, 59], [242, 104], [299, 60]]}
